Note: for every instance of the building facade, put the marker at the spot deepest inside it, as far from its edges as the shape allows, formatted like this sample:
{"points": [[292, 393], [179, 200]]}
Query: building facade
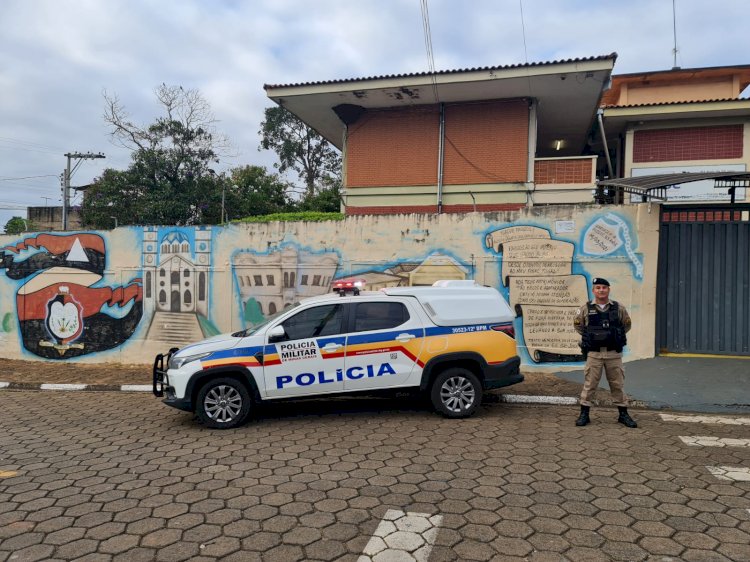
{"points": [[488, 139], [680, 120]]}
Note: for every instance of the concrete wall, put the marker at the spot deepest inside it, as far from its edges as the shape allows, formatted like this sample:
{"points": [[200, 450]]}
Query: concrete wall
{"points": [[127, 294], [50, 218], [707, 89]]}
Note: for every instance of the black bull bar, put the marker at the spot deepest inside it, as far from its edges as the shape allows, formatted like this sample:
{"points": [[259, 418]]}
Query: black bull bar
{"points": [[160, 372]]}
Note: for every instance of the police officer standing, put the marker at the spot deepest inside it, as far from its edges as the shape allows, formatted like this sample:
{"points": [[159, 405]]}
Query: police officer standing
{"points": [[602, 324]]}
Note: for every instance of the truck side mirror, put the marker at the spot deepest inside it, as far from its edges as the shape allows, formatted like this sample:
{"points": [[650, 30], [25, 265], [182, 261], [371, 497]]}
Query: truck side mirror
{"points": [[276, 333]]}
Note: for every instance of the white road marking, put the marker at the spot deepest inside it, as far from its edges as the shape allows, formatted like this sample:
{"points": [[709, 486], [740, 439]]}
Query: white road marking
{"points": [[708, 441], [717, 420], [523, 399], [136, 387], [733, 473], [402, 536], [63, 387]]}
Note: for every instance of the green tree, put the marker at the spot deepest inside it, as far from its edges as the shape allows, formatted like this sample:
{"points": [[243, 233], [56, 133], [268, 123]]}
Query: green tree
{"points": [[326, 200], [300, 149], [253, 191], [170, 179], [17, 225]]}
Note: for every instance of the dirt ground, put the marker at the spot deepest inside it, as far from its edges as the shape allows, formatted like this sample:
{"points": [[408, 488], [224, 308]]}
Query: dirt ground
{"points": [[36, 372], [14, 370]]}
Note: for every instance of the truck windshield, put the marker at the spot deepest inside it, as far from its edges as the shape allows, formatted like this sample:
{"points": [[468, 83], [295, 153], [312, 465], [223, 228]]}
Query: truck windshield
{"points": [[254, 329]]}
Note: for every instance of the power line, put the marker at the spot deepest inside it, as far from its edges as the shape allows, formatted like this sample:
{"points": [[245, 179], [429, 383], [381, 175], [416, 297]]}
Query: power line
{"points": [[525, 51], [39, 150], [428, 47], [29, 177], [674, 30], [523, 31], [27, 143]]}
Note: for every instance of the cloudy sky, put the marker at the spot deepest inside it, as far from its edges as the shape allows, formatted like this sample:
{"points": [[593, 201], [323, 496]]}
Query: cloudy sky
{"points": [[57, 57]]}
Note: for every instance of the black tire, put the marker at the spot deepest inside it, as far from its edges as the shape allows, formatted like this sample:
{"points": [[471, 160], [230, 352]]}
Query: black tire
{"points": [[223, 403], [456, 393]]}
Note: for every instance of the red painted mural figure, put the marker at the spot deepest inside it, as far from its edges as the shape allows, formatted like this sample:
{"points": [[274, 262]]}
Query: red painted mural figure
{"points": [[61, 313]]}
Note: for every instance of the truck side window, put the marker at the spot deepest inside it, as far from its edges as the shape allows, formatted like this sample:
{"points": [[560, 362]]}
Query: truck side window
{"points": [[314, 322], [379, 315]]}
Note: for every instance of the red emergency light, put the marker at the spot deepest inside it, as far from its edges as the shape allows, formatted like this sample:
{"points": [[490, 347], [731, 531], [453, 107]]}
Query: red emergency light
{"points": [[342, 286]]}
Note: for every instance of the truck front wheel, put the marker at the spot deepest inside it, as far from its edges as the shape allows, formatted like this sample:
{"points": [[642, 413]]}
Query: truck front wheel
{"points": [[456, 393], [223, 403]]}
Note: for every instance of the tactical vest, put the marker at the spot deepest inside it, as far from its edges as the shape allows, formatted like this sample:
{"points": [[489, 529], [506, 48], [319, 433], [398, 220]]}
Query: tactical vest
{"points": [[604, 328]]}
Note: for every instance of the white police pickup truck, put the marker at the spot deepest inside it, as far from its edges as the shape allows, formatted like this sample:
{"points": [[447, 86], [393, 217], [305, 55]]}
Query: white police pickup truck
{"points": [[452, 340]]}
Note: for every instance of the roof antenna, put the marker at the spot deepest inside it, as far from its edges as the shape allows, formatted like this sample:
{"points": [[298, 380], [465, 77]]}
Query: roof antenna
{"points": [[674, 30]]}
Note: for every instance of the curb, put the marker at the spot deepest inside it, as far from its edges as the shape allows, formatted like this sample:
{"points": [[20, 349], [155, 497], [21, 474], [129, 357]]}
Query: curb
{"points": [[84, 387], [526, 399], [507, 398]]}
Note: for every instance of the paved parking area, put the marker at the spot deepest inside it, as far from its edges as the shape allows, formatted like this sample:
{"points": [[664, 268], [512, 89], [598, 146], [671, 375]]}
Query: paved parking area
{"points": [[119, 476]]}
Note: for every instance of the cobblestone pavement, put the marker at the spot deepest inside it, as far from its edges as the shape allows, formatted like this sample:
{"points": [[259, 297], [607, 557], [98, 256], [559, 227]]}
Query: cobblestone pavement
{"points": [[118, 476]]}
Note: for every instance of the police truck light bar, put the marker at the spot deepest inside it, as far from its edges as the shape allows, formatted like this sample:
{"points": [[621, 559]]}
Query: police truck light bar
{"points": [[352, 285]]}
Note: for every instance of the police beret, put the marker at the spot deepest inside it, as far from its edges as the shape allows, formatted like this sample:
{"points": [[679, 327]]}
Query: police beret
{"points": [[600, 281]]}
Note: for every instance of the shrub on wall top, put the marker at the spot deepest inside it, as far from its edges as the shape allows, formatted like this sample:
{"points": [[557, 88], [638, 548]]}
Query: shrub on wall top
{"points": [[305, 216]]}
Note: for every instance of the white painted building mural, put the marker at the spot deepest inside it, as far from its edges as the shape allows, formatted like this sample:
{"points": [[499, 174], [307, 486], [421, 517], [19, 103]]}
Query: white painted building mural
{"points": [[269, 282]]}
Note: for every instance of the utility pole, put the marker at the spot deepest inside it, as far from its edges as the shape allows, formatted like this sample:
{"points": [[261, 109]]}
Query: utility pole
{"points": [[79, 157]]}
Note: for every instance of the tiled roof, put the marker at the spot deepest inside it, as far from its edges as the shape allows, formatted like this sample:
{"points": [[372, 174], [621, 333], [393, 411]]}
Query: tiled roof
{"points": [[611, 56], [656, 104], [668, 73]]}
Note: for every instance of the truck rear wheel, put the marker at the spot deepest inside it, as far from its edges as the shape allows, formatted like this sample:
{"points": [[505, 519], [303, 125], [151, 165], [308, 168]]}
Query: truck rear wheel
{"points": [[456, 393], [223, 403]]}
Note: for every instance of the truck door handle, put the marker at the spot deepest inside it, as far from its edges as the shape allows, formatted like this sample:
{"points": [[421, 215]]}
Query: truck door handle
{"points": [[329, 347], [405, 337]]}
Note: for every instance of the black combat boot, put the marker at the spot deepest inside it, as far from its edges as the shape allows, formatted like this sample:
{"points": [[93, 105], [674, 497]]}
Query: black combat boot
{"points": [[583, 419], [625, 418]]}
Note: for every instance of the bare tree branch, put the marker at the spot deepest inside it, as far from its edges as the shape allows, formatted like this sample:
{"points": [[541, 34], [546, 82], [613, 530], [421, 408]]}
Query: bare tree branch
{"points": [[185, 110]]}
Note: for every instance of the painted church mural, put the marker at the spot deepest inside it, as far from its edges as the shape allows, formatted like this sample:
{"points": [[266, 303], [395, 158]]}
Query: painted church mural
{"points": [[176, 283], [64, 306], [127, 294]]}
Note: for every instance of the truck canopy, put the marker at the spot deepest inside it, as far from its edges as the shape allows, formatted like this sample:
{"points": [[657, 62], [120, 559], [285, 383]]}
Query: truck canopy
{"points": [[458, 303]]}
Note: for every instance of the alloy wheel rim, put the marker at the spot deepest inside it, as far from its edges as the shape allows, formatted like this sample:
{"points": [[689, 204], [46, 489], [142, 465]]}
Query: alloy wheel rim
{"points": [[223, 403], [457, 394]]}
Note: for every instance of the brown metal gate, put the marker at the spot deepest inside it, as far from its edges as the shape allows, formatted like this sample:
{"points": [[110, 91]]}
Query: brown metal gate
{"points": [[703, 284]]}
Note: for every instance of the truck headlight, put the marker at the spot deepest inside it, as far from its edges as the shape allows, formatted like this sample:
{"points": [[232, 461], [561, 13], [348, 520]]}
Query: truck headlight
{"points": [[177, 362]]}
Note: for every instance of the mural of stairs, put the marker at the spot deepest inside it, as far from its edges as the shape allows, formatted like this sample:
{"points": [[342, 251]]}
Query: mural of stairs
{"points": [[178, 328]]}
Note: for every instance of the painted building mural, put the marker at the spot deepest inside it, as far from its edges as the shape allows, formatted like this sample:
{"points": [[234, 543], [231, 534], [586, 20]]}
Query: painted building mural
{"points": [[176, 277], [128, 294], [266, 283]]}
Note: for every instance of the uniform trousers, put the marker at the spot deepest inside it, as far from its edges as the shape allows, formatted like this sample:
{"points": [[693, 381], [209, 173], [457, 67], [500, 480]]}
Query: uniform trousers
{"points": [[611, 362]]}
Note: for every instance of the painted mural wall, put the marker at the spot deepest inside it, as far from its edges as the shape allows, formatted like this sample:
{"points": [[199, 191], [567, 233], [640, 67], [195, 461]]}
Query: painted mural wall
{"points": [[127, 294]]}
